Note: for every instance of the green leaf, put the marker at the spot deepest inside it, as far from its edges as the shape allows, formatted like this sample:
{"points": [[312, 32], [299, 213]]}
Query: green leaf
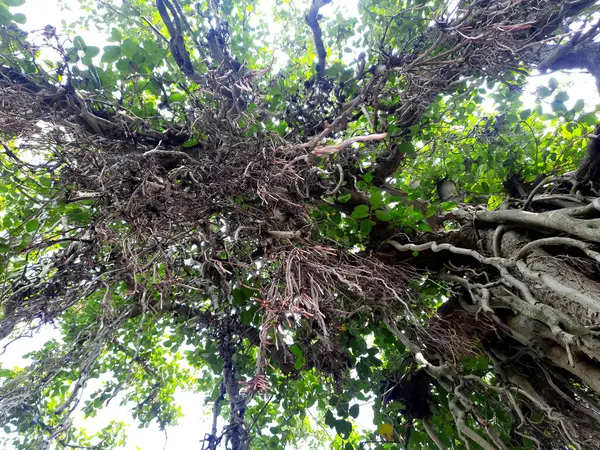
{"points": [[177, 97], [510, 119], [5, 15], [8, 221], [329, 419], [300, 362], [282, 127], [354, 410], [368, 177], [151, 47], [396, 406], [405, 147], [344, 198], [123, 65], [191, 143], [19, 18], [383, 215], [480, 364], [238, 297], [91, 51], [360, 212], [375, 197], [343, 428], [72, 55], [494, 202], [115, 35], [79, 43], [361, 185], [578, 106], [562, 97], [543, 91], [13, 3], [589, 119], [558, 106], [296, 350], [448, 206], [366, 226], [249, 315], [129, 47], [32, 225], [525, 114], [111, 53]]}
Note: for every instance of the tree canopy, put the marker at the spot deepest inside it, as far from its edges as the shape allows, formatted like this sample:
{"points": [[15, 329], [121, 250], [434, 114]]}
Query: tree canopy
{"points": [[303, 214]]}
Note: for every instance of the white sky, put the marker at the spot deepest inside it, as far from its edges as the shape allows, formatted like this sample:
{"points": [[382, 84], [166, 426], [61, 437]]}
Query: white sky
{"points": [[196, 420]]}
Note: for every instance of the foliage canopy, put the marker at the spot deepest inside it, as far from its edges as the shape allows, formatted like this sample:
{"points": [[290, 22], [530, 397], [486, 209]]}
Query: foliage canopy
{"points": [[368, 218]]}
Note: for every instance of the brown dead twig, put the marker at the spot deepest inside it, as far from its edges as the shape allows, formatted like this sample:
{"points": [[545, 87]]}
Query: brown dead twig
{"points": [[320, 287], [331, 149]]}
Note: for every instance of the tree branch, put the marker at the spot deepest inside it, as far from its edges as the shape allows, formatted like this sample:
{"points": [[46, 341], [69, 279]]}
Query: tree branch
{"points": [[313, 22], [584, 247], [559, 220], [177, 44], [432, 434]]}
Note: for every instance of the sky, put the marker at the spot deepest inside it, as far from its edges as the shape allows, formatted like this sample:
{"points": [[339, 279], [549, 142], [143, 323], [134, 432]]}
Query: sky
{"points": [[196, 420]]}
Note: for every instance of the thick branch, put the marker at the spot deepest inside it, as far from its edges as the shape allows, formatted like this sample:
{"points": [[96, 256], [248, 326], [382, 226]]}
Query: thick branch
{"points": [[313, 22], [177, 44], [562, 241], [432, 434], [581, 52], [236, 432], [565, 220], [588, 173], [459, 418]]}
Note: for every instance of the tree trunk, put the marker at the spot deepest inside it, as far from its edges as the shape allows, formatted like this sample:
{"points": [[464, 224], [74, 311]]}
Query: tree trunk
{"points": [[534, 276]]}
